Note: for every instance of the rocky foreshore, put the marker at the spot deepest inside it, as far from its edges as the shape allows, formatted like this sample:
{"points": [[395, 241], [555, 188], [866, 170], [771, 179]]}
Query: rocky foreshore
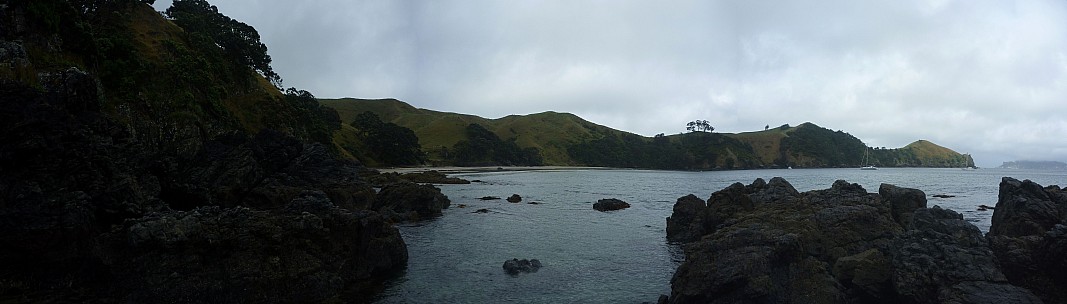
{"points": [[768, 243], [92, 212]]}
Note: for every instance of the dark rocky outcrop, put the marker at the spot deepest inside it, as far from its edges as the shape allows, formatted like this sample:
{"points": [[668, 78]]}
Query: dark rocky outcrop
{"points": [[147, 191], [488, 198], [410, 201], [89, 211], [517, 266], [768, 243], [1029, 237], [432, 177], [686, 224], [514, 198], [610, 204], [309, 251]]}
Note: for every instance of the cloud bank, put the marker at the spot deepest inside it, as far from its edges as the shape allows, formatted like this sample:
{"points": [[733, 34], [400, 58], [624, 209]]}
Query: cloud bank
{"points": [[982, 77]]}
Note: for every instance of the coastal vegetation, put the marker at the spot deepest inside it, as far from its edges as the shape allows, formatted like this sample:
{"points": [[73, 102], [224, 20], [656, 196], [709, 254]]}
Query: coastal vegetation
{"points": [[151, 158], [552, 138]]}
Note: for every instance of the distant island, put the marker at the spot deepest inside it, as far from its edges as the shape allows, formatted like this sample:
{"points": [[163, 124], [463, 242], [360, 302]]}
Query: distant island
{"points": [[1034, 165], [418, 136]]}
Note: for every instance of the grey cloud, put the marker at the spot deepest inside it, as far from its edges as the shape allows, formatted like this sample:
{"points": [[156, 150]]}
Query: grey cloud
{"points": [[985, 77]]}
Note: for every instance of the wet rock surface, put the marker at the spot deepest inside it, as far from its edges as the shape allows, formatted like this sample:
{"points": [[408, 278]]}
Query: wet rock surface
{"points": [[1029, 237], [610, 204], [517, 266], [514, 198], [432, 177], [767, 243], [410, 201]]}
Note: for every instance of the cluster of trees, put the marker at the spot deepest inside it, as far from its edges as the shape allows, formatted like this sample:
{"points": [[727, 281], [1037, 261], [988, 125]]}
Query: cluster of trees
{"points": [[320, 121], [387, 142], [699, 126], [691, 151], [238, 42], [823, 147], [484, 148]]}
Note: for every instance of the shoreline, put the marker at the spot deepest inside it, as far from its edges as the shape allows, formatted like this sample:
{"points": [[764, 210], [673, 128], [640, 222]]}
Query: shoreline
{"points": [[485, 169], [462, 170]]}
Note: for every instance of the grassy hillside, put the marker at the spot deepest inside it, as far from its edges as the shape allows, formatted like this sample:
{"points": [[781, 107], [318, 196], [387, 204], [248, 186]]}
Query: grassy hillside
{"points": [[765, 144], [921, 153], [566, 139], [550, 132]]}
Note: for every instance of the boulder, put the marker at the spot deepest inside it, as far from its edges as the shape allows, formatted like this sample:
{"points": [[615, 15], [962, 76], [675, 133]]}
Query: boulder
{"points": [[1028, 235], [610, 204], [514, 198], [902, 201], [517, 266], [686, 223], [767, 243], [411, 201]]}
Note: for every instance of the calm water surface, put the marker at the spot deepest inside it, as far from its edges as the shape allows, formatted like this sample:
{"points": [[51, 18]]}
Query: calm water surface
{"points": [[612, 257]]}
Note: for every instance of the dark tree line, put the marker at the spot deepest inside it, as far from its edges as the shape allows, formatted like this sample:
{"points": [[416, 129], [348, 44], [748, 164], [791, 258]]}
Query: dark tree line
{"points": [[691, 151], [388, 143], [321, 121], [827, 148], [484, 148], [238, 41]]}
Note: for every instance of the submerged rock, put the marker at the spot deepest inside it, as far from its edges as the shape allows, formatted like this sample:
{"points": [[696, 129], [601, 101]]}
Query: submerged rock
{"points": [[489, 198], [1029, 237], [610, 204], [516, 266], [768, 243]]}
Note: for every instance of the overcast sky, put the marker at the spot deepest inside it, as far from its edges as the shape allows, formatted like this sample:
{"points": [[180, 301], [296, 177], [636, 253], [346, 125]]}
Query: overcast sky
{"points": [[987, 78]]}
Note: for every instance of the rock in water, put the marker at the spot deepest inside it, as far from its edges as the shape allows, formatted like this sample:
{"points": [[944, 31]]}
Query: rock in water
{"points": [[768, 243], [516, 266], [1029, 237], [610, 204], [514, 198], [432, 177], [411, 201]]}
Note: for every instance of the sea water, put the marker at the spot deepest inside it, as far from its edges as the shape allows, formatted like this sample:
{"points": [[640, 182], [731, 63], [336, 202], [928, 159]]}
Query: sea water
{"points": [[619, 256]]}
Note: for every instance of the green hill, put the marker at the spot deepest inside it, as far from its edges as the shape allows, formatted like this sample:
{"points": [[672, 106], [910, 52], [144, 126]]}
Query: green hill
{"points": [[566, 139], [550, 132]]}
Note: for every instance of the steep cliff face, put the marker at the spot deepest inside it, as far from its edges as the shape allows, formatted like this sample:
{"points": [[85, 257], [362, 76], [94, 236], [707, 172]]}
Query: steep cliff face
{"points": [[136, 167]]}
